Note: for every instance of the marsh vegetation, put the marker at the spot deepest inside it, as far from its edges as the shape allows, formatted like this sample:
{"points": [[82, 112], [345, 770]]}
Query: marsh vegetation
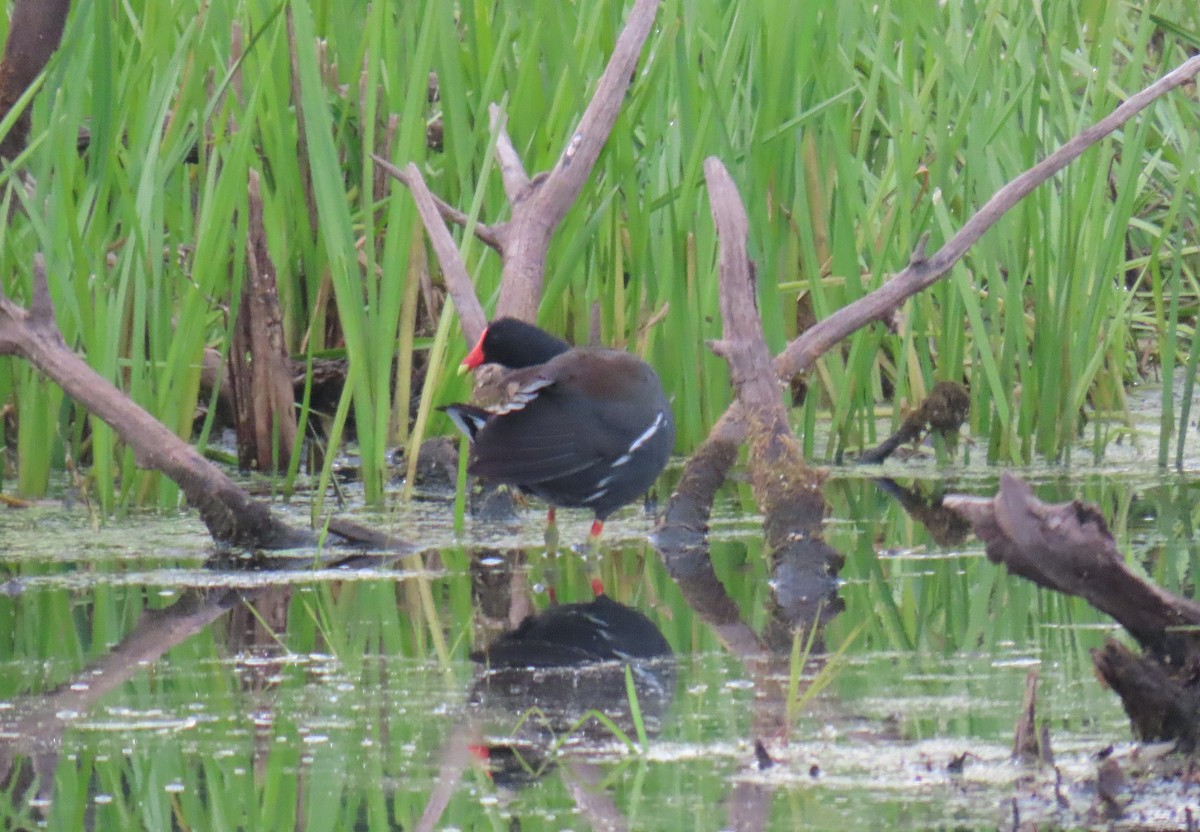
{"points": [[175, 151]]}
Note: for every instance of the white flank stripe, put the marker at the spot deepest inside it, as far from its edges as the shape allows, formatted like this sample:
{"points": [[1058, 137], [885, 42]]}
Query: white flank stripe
{"points": [[650, 431]]}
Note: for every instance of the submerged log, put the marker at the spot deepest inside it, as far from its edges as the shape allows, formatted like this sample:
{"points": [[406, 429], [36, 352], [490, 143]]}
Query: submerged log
{"points": [[1067, 547]]}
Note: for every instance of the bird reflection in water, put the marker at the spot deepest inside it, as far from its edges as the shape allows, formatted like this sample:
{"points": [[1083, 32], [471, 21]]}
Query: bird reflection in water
{"points": [[555, 672]]}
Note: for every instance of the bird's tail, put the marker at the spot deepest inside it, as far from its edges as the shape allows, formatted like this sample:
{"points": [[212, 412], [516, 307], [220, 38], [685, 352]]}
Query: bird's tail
{"points": [[467, 417]]}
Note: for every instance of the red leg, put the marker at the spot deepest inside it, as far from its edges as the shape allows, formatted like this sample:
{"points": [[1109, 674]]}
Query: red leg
{"points": [[597, 528]]}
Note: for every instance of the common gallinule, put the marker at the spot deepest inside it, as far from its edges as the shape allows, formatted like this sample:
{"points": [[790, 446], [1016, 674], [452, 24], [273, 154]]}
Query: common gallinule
{"points": [[573, 634], [562, 666], [580, 427]]}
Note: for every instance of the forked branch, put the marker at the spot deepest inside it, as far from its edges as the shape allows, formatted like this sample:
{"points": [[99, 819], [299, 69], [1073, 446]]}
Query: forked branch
{"points": [[539, 203]]}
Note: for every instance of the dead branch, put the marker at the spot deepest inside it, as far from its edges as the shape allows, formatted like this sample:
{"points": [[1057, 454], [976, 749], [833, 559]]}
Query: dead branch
{"points": [[454, 270], [922, 272], [804, 568], [34, 33], [539, 204], [1066, 547], [259, 365], [231, 515], [535, 217]]}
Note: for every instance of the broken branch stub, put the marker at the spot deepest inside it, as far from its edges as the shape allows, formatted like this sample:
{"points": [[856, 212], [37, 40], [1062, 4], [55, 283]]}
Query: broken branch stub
{"points": [[923, 271], [259, 365]]}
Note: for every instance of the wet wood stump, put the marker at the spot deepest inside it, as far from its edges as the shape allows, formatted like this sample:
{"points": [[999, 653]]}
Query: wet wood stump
{"points": [[1067, 547]]}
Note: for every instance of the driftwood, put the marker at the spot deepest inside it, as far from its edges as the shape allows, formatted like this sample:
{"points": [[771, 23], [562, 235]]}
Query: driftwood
{"points": [[1067, 547], [754, 411], [753, 414]]}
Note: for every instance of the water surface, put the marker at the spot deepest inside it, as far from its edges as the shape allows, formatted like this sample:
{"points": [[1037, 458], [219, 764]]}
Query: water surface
{"points": [[147, 684]]}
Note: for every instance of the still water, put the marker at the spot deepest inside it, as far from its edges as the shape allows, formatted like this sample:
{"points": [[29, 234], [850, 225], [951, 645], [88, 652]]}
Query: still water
{"points": [[147, 684]]}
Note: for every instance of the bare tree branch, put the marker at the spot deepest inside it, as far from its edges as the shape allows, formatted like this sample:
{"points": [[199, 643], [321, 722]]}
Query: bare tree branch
{"points": [[34, 32], [538, 204], [231, 515], [512, 169], [489, 235], [458, 281], [535, 217], [923, 272]]}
